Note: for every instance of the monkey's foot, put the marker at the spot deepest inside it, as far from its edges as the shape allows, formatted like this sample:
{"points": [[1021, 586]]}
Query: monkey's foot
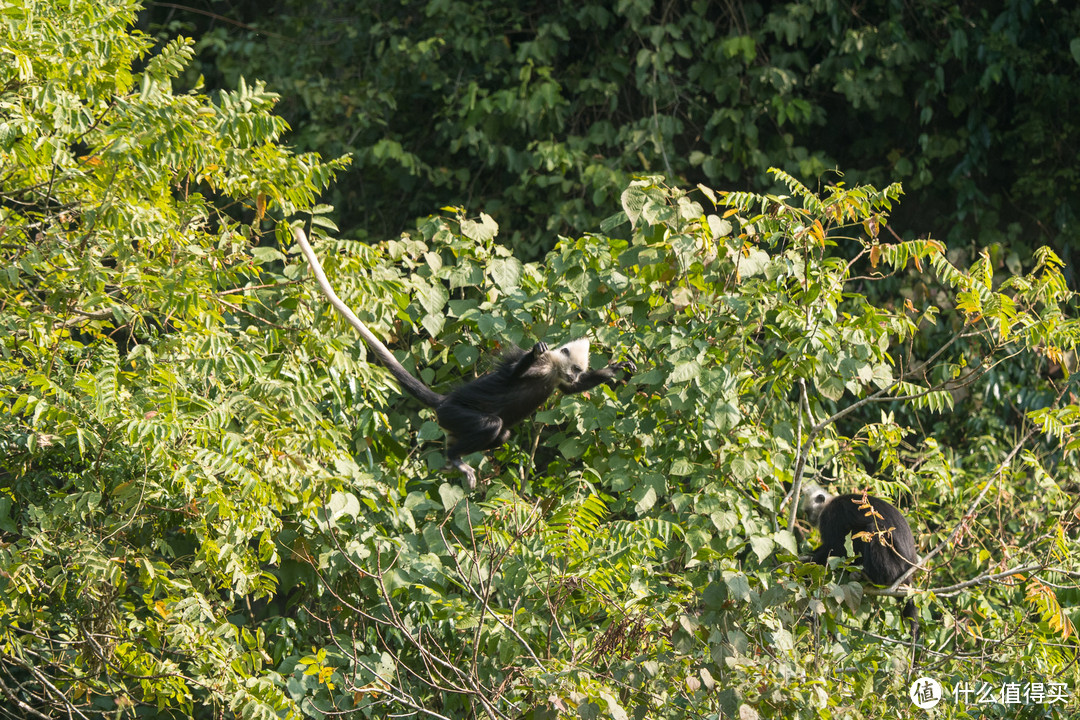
{"points": [[466, 469]]}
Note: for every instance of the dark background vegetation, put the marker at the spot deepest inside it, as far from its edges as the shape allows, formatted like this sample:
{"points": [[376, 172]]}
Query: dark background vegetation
{"points": [[540, 112]]}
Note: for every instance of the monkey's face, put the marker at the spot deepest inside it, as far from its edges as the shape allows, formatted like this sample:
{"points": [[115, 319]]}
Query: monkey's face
{"points": [[814, 499], [572, 360], [571, 370]]}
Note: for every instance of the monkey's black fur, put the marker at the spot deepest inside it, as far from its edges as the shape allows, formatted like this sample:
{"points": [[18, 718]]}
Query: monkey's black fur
{"points": [[888, 554], [478, 415]]}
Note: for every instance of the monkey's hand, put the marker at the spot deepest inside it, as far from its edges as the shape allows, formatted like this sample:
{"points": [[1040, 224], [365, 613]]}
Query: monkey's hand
{"points": [[612, 372], [527, 361]]}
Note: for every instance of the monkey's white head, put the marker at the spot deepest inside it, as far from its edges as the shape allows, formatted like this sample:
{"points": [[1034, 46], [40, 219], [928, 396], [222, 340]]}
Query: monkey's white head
{"points": [[814, 500], [572, 359]]}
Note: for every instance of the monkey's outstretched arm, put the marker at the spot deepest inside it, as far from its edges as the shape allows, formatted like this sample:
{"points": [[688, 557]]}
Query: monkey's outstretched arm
{"points": [[609, 375]]}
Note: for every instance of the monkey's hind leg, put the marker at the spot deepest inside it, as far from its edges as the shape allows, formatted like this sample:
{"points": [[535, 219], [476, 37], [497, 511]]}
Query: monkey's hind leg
{"points": [[469, 432]]}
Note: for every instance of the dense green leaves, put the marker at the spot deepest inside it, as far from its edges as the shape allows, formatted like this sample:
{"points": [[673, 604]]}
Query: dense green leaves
{"points": [[212, 504], [148, 457]]}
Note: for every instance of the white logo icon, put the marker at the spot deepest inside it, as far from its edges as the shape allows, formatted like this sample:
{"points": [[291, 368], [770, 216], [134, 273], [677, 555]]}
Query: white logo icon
{"points": [[925, 692]]}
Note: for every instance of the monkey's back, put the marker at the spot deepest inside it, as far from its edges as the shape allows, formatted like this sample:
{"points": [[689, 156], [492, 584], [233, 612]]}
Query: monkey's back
{"points": [[882, 563], [499, 393]]}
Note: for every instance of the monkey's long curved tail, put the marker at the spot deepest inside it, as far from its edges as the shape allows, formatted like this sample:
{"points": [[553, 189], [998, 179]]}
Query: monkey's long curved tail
{"points": [[415, 387]]}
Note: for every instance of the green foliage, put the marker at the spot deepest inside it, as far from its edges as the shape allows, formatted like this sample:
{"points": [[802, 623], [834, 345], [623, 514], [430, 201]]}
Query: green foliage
{"points": [[212, 504], [149, 431]]}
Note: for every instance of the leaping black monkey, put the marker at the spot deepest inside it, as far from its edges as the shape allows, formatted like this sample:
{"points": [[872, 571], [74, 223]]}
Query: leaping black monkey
{"points": [[478, 415]]}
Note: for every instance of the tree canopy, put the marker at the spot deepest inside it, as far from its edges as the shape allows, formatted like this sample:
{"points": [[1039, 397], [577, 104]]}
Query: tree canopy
{"points": [[213, 503]]}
